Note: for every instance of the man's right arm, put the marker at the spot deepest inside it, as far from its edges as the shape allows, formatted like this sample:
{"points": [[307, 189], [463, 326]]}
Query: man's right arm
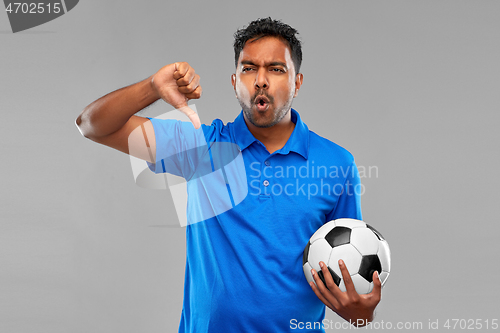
{"points": [[110, 120]]}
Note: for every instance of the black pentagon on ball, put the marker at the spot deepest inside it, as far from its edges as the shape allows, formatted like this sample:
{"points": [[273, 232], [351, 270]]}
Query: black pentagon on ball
{"points": [[336, 278], [369, 264], [338, 236], [375, 231], [306, 253]]}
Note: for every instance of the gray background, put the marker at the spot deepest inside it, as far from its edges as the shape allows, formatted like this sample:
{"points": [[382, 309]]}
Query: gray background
{"points": [[411, 87]]}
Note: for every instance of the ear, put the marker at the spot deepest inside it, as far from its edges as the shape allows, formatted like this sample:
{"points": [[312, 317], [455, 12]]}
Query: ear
{"points": [[298, 83], [233, 80]]}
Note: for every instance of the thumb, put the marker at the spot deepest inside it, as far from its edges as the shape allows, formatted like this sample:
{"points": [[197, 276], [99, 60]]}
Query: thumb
{"points": [[192, 115], [377, 284]]}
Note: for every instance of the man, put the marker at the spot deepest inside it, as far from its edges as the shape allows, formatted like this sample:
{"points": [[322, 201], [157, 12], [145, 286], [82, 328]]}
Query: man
{"points": [[243, 268]]}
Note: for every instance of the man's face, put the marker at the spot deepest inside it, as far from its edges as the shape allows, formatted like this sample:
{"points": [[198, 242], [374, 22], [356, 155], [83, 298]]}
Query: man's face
{"points": [[265, 81]]}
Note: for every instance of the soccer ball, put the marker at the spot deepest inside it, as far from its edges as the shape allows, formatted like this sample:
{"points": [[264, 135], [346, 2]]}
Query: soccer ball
{"points": [[362, 248]]}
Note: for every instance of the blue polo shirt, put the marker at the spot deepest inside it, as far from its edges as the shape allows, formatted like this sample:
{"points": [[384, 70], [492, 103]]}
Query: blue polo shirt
{"points": [[249, 223]]}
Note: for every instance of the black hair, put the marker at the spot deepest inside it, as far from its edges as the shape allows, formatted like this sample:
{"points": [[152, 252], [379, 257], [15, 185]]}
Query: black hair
{"points": [[268, 27]]}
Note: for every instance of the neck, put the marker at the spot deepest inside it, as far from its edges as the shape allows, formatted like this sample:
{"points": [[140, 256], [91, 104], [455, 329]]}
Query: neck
{"points": [[275, 137]]}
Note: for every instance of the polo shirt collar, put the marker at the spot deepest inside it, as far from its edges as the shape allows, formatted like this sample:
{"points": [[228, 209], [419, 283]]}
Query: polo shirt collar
{"points": [[298, 141]]}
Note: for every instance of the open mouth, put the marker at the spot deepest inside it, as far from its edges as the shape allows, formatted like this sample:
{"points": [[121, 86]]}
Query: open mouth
{"points": [[262, 103]]}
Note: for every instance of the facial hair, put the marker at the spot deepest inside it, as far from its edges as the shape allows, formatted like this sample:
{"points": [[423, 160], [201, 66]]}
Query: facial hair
{"points": [[278, 114]]}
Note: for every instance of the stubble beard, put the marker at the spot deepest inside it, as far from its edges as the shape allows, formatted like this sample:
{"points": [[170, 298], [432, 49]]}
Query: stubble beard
{"points": [[279, 113]]}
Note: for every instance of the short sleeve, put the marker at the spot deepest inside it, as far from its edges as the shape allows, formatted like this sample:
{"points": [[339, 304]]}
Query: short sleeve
{"points": [[349, 202], [179, 147]]}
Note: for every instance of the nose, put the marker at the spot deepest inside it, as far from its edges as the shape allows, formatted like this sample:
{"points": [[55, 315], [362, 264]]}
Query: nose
{"points": [[261, 79]]}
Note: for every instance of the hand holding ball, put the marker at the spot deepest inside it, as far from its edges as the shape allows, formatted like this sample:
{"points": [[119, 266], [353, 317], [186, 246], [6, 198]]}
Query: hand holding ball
{"points": [[362, 248]]}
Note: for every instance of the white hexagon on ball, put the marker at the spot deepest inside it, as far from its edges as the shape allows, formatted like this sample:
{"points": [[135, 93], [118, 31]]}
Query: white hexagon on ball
{"points": [[319, 251], [364, 240], [350, 256], [384, 254]]}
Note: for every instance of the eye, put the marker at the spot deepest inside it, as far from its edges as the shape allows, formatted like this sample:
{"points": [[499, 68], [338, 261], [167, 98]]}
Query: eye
{"points": [[278, 70], [246, 69]]}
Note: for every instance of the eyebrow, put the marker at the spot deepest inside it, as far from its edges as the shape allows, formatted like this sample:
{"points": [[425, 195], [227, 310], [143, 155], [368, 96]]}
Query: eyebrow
{"points": [[270, 64]]}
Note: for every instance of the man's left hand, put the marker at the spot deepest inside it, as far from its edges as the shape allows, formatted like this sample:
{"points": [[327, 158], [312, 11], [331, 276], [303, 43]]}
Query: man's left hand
{"points": [[355, 308]]}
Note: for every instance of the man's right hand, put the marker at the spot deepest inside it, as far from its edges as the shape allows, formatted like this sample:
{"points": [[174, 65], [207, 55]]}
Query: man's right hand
{"points": [[111, 119], [176, 84]]}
